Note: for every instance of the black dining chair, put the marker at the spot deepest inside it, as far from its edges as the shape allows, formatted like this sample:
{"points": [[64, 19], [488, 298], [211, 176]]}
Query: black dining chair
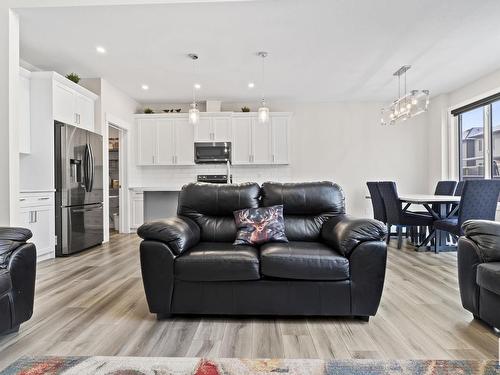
{"points": [[396, 215], [459, 189], [377, 202], [478, 202]]}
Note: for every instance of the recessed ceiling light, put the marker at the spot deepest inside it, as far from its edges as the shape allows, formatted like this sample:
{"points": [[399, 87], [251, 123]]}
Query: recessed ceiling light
{"points": [[197, 86], [251, 85], [100, 49], [145, 87]]}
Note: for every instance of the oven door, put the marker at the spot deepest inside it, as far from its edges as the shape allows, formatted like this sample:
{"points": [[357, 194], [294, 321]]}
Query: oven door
{"points": [[212, 152]]}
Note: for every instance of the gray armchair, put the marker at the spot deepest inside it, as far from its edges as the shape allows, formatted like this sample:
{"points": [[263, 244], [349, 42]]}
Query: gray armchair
{"points": [[17, 278], [479, 270]]}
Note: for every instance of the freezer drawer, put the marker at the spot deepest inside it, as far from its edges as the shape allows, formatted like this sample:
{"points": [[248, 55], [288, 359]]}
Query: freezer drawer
{"points": [[81, 227]]}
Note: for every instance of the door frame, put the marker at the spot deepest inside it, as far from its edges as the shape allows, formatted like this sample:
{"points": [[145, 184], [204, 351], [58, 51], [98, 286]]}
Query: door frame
{"points": [[122, 127]]}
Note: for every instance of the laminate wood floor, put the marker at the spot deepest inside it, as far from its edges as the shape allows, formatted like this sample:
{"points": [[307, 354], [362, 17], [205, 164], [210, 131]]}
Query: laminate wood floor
{"points": [[93, 303]]}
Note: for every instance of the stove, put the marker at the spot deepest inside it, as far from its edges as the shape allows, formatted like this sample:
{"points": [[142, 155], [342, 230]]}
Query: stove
{"points": [[214, 178]]}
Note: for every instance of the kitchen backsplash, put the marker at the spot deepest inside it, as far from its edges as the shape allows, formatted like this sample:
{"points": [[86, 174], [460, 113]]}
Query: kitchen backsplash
{"points": [[170, 176]]}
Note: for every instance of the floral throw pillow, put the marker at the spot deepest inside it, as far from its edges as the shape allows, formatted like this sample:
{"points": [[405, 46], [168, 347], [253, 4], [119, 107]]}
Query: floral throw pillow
{"points": [[260, 225]]}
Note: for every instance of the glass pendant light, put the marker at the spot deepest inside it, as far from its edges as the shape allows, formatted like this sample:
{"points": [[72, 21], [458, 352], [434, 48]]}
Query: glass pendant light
{"points": [[194, 113], [263, 112], [408, 104]]}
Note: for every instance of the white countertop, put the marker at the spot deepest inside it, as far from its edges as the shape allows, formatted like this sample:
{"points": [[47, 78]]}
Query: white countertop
{"points": [[157, 188], [37, 191]]}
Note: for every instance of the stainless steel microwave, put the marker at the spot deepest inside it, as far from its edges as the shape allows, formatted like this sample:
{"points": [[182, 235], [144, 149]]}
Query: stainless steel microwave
{"points": [[212, 152]]}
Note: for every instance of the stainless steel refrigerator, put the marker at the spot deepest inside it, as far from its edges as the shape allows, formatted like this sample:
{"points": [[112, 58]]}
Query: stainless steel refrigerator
{"points": [[79, 189]]}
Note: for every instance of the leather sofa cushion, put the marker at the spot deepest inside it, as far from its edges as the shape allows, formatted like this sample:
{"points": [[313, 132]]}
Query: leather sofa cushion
{"points": [[7, 247], [5, 282], [305, 198], [486, 235], [303, 261], [211, 206], [218, 261], [488, 276]]}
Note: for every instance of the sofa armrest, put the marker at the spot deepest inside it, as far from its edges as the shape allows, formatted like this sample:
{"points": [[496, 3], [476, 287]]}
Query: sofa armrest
{"points": [[178, 233], [468, 260], [22, 269], [344, 233], [15, 234], [486, 235]]}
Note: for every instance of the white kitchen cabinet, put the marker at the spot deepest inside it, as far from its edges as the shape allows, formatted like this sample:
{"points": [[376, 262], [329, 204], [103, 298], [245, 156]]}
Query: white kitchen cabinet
{"points": [[184, 145], [242, 140], [136, 209], [64, 104], [280, 138], [24, 112], [37, 213], [257, 143], [146, 135], [85, 112], [213, 128], [262, 142], [165, 141], [73, 104]]}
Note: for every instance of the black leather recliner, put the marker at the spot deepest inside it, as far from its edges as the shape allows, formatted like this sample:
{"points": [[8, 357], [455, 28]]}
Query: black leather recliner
{"points": [[479, 270], [333, 264], [17, 278]]}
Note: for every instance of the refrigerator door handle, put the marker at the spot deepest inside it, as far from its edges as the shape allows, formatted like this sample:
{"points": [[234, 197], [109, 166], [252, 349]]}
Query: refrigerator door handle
{"points": [[86, 168], [92, 167]]}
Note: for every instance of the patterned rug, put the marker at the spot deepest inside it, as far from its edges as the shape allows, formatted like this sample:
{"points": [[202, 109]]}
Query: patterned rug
{"points": [[233, 366]]}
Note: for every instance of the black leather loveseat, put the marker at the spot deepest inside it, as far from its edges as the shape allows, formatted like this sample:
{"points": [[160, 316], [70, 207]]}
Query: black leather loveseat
{"points": [[333, 264], [17, 278], [479, 270]]}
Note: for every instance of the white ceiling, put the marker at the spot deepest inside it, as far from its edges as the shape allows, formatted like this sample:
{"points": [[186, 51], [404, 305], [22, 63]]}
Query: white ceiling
{"points": [[319, 50]]}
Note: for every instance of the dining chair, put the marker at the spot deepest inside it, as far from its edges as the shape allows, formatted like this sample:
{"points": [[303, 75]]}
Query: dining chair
{"points": [[396, 215], [459, 189], [478, 202], [377, 202]]}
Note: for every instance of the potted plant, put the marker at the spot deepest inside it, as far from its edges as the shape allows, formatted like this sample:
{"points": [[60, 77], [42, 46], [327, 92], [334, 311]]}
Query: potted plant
{"points": [[73, 77], [245, 109], [148, 110]]}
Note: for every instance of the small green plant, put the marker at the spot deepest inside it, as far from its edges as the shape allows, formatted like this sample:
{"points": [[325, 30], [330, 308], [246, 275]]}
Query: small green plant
{"points": [[73, 77], [245, 109], [148, 110]]}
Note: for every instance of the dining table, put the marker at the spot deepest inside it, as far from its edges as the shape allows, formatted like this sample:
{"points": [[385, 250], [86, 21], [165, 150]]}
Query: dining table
{"points": [[439, 206]]}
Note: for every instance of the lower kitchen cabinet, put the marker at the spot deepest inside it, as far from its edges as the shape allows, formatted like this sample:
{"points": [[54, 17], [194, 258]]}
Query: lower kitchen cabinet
{"points": [[37, 213], [136, 210]]}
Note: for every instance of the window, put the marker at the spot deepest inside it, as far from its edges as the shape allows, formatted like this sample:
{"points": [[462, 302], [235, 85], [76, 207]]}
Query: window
{"points": [[495, 139], [471, 138], [479, 137]]}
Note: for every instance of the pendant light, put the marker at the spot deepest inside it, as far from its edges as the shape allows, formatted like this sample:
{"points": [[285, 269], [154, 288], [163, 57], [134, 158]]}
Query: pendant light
{"points": [[263, 113], [407, 104], [194, 113]]}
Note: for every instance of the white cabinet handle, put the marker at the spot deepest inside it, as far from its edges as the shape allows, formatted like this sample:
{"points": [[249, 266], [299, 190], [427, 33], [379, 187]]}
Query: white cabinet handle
{"points": [[43, 198], [273, 159], [22, 199], [153, 159]]}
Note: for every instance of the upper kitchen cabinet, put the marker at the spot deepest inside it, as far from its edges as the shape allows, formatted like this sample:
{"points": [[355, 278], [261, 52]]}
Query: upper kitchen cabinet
{"points": [[73, 104], [165, 140], [213, 128], [260, 143], [24, 111]]}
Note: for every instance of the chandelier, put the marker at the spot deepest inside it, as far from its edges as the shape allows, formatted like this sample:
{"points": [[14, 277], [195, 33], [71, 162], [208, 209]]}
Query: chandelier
{"points": [[263, 112], [408, 104]]}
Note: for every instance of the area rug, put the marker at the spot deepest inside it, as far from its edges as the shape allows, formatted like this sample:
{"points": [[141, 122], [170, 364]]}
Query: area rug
{"points": [[233, 366]]}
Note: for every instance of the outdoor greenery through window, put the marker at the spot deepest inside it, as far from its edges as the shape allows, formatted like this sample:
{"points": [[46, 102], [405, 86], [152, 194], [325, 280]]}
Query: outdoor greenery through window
{"points": [[479, 130]]}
